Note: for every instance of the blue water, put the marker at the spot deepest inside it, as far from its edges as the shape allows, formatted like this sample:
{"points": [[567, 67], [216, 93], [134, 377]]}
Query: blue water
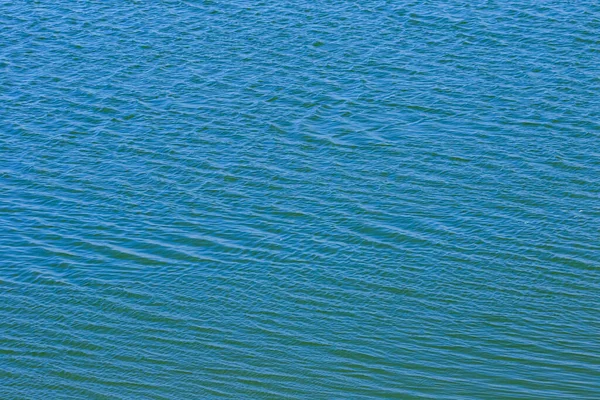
{"points": [[299, 200]]}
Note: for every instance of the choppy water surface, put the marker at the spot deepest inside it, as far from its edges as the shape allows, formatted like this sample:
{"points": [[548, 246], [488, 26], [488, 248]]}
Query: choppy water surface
{"points": [[301, 200]]}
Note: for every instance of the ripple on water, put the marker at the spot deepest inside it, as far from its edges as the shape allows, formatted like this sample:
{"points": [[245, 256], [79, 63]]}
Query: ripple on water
{"points": [[299, 200]]}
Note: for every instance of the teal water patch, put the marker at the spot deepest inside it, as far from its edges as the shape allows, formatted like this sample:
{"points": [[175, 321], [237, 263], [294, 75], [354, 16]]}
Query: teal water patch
{"points": [[299, 200]]}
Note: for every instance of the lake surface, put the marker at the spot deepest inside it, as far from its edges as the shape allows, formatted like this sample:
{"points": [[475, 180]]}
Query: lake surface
{"points": [[300, 200]]}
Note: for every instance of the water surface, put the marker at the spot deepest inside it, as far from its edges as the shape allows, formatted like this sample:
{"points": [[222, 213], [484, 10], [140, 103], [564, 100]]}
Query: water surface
{"points": [[300, 200]]}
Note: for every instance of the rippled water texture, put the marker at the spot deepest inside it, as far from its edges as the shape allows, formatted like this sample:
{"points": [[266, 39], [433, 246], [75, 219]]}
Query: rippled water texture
{"points": [[299, 200]]}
